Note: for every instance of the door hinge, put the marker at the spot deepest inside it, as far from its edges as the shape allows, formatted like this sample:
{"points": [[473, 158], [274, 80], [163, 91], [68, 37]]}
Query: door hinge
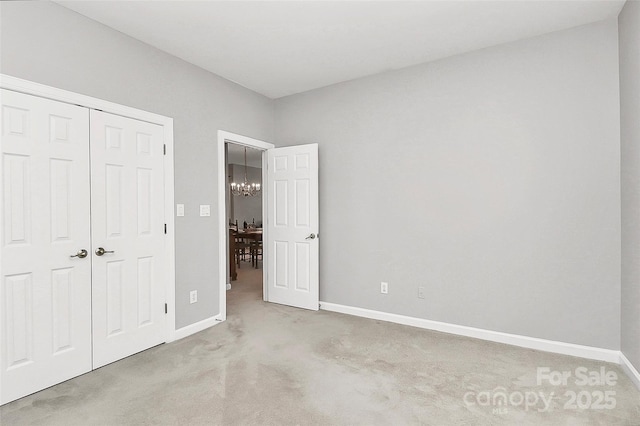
{"points": [[165, 308], [165, 228], [164, 149]]}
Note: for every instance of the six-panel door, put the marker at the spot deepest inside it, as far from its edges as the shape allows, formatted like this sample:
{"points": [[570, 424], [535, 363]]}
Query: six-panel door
{"points": [[45, 308], [292, 226], [127, 199]]}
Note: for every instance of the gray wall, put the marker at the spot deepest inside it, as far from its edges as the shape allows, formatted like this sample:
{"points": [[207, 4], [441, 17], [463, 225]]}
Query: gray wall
{"points": [[247, 208], [490, 178], [46, 43], [629, 33]]}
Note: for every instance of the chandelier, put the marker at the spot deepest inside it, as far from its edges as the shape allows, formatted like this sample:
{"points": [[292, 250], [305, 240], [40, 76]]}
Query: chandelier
{"points": [[245, 188]]}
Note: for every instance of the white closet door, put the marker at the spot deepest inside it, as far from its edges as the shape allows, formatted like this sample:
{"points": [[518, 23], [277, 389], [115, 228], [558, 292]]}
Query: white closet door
{"points": [[45, 295], [127, 204]]}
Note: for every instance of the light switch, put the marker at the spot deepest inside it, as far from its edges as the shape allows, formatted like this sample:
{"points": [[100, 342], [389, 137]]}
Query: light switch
{"points": [[180, 210], [205, 210]]}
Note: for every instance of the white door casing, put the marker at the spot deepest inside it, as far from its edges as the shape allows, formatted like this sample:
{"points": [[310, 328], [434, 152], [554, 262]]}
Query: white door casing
{"points": [[292, 226], [45, 293], [127, 213], [225, 137]]}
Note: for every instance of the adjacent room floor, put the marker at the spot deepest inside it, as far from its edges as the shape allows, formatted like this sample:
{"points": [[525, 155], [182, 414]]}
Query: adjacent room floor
{"points": [[272, 364]]}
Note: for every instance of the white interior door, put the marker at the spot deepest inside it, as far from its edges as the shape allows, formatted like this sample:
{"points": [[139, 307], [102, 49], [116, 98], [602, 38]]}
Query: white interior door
{"points": [[292, 226], [45, 299], [127, 205]]}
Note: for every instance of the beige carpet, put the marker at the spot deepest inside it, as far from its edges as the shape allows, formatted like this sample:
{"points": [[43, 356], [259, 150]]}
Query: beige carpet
{"points": [[276, 365]]}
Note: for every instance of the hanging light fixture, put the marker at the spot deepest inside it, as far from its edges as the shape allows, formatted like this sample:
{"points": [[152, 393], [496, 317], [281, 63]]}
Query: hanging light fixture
{"points": [[245, 188]]}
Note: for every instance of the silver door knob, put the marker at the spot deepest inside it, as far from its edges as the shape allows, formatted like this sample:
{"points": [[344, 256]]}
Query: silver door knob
{"points": [[100, 251], [311, 237], [81, 254]]}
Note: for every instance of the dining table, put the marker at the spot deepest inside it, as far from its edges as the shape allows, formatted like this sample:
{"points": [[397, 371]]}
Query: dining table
{"points": [[250, 234]]}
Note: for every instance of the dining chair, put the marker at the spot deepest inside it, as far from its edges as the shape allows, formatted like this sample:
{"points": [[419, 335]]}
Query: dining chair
{"points": [[242, 248], [256, 250]]}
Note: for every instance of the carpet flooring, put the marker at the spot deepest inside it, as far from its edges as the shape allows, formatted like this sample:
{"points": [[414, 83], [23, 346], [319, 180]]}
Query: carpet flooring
{"points": [[275, 365]]}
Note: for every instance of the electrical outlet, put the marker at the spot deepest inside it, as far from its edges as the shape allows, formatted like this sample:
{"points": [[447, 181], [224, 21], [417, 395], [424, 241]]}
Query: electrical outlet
{"points": [[421, 292], [384, 287], [193, 296]]}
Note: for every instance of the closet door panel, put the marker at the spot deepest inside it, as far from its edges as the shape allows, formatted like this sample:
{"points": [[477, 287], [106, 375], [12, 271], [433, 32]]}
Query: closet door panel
{"points": [[127, 193], [45, 294]]}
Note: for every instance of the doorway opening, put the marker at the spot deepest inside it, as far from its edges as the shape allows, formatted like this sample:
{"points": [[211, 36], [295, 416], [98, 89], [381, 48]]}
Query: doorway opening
{"points": [[241, 218], [290, 273], [245, 219]]}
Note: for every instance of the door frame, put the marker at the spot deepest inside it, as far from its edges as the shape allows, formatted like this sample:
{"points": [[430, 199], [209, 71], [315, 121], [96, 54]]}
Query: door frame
{"points": [[223, 226], [36, 89]]}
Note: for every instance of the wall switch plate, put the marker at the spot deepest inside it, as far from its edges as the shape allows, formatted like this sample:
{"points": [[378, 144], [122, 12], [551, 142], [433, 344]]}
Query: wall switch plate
{"points": [[421, 291], [179, 210], [205, 210], [193, 296], [384, 287]]}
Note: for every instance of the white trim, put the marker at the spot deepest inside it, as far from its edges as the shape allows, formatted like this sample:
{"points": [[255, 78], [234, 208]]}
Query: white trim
{"points": [[196, 327], [222, 228], [170, 237], [265, 231], [631, 371], [224, 137], [60, 95], [599, 354], [36, 89]]}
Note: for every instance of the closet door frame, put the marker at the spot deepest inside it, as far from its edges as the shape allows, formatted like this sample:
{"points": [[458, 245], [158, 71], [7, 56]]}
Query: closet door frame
{"points": [[37, 89]]}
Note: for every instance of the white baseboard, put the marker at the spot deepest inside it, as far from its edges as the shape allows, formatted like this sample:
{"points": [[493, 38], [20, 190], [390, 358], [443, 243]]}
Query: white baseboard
{"points": [[599, 354], [196, 327], [631, 371]]}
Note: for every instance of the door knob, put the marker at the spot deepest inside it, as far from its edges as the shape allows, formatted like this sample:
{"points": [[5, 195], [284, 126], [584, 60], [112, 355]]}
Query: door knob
{"points": [[81, 254], [100, 251], [311, 237]]}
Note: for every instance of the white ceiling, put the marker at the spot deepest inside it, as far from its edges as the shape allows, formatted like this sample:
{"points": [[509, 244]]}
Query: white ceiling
{"points": [[287, 47]]}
